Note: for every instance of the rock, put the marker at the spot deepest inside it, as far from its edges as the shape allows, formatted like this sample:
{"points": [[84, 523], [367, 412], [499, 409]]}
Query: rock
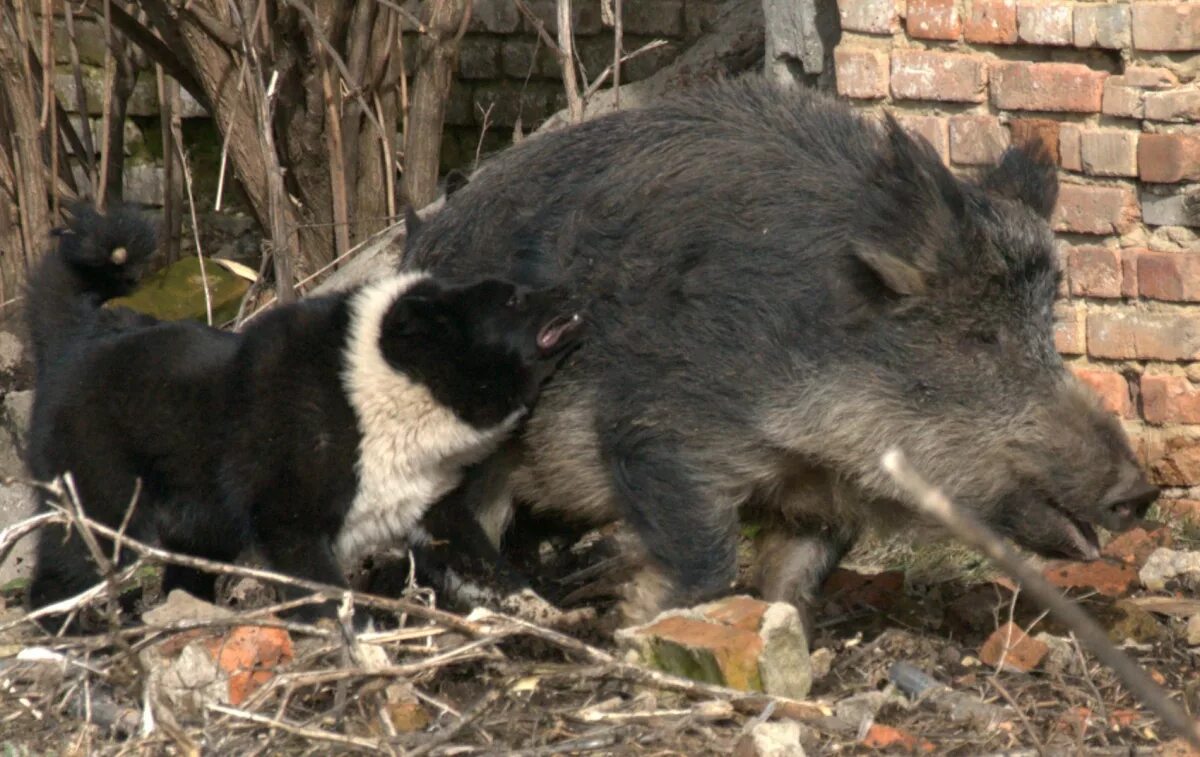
{"points": [[883, 736], [821, 661], [1060, 655], [1126, 620], [16, 370], [181, 606], [1137, 544], [17, 502], [247, 655], [1109, 579], [177, 292], [1013, 648], [781, 739], [1166, 564], [738, 642], [1193, 630], [851, 713]]}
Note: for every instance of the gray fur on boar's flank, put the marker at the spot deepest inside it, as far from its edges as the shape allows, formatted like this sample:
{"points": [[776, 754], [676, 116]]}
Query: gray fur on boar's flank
{"points": [[777, 291]]}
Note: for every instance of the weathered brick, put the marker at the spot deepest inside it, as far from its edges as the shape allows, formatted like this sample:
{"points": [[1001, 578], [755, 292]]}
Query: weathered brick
{"points": [[1094, 209], [663, 18], [1129, 272], [1109, 152], [871, 16], [932, 128], [494, 17], [1169, 158], [1102, 25], [1068, 329], [1121, 99], [1027, 131], [1180, 105], [585, 16], [1044, 23], [1174, 209], [1067, 87], [1070, 151], [1130, 335], [991, 22], [520, 57], [861, 72], [1172, 276], [1150, 77], [479, 57], [918, 75], [1166, 26], [1170, 399], [1111, 388], [934, 19], [977, 140], [1095, 271], [1173, 460]]}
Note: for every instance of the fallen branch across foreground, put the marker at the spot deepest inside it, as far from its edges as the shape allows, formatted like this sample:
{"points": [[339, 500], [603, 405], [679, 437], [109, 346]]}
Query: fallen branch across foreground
{"points": [[933, 503]]}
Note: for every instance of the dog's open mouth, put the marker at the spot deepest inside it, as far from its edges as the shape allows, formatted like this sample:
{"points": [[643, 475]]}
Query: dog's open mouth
{"points": [[559, 333]]}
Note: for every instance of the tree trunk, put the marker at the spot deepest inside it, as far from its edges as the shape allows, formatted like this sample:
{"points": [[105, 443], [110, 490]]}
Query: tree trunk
{"points": [[437, 54]]}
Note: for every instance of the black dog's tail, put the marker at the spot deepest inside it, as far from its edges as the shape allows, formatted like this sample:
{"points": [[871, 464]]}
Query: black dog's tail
{"points": [[99, 257]]}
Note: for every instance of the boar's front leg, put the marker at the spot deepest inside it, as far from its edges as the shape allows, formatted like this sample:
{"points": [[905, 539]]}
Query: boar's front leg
{"points": [[793, 559], [688, 532]]}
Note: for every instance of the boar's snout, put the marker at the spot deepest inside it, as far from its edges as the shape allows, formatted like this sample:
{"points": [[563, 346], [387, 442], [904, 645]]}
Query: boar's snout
{"points": [[1126, 503]]}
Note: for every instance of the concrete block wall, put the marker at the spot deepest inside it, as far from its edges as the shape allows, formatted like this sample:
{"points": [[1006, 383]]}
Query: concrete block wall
{"points": [[1113, 90]]}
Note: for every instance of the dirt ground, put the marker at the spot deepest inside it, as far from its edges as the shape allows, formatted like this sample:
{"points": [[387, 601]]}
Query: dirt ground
{"points": [[484, 685]]}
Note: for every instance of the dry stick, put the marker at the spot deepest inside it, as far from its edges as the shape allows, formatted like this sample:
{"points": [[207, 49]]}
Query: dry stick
{"points": [[187, 183], [931, 502], [446, 734], [566, 43], [106, 108], [337, 164], [1037, 743], [618, 30], [326, 591], [89, 159], [47, 63], [602, 77], [297, 730]]}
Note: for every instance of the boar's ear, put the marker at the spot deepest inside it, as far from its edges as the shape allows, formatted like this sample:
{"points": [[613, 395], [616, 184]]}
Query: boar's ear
{"points": [[898, 275], [1026, 174], [916, 163], [412, 222]]}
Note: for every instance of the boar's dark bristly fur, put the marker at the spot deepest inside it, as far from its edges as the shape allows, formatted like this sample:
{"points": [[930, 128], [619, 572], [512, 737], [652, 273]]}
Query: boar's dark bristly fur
{"points": [[781, 290]]}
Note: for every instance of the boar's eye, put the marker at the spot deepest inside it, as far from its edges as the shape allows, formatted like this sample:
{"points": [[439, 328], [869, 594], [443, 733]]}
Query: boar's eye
{"points": [[516, 301]]}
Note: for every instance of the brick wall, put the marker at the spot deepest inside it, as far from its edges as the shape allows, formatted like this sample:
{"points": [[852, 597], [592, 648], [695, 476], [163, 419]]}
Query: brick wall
{"points": [[505, 74], [1113, 89]]}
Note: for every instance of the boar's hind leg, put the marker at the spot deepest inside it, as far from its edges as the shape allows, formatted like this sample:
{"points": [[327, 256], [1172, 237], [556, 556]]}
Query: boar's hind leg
{"points": [[689, 536], [793, 559]]}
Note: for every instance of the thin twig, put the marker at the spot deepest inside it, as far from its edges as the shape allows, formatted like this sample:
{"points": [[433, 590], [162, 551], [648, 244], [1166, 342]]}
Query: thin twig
{"points": [[187, 183], [566, 43], [618, 29], [297, 730], [471, 715], [931, 502]]}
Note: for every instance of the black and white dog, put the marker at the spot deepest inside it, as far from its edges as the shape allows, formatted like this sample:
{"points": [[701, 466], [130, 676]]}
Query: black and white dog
{"points": [[322, 431]]}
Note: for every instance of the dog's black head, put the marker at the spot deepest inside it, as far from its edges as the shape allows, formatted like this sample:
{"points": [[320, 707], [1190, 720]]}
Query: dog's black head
{"points": [[483, 349]]}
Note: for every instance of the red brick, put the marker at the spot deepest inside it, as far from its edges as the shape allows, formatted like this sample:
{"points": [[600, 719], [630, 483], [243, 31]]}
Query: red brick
{"points": [[1094, 209], [1109, 152], [1129, 273], [919, 75], [1150, 77], [861, 72], [1166, 26], [1168, 158], [1121, 99], [991, 22], [1174, 460], [932, 128], [1129, 335], [1170, 399], [934, 19], [1045, 24], [1109, 579], [871, 16], [977, 140], [1095, 272], [1026, 131], [1111, 388], [1070, 153], [1180, 105], [1102, 25], [1012, 647], [1065, 87], [1068, 329], [1171, 276]]}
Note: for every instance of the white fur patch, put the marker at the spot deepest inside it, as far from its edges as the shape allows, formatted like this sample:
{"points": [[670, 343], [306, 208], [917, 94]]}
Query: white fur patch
{"points": [[413, 448]]}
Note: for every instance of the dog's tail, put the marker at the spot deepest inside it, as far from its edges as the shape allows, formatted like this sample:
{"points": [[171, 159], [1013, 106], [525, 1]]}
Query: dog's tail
{"points": [[99, 257]]}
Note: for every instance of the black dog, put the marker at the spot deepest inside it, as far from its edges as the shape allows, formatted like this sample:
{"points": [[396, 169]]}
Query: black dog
{"points": [[322, 431]]}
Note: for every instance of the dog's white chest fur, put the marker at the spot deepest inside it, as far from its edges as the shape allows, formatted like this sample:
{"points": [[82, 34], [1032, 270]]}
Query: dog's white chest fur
{"points": [[413, 448]]}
